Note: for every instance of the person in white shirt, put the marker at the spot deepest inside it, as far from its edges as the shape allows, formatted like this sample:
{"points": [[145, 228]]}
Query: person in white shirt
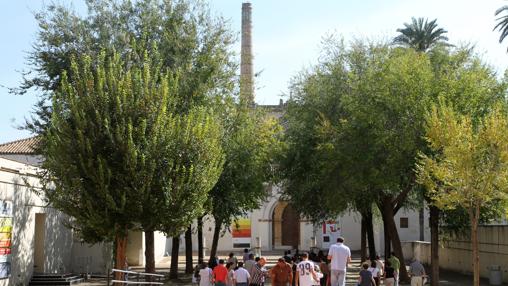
{"points": [[306, 275], [376, 274], [205, 275], [340, 256], [241, 276]]}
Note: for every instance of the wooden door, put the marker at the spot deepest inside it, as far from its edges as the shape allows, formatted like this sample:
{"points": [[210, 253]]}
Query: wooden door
{"points": [[290, 227]]}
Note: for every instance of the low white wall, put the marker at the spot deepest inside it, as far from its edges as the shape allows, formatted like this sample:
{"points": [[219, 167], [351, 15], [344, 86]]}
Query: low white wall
{"points": [[456, 252], [416, 249], [88, 258]]}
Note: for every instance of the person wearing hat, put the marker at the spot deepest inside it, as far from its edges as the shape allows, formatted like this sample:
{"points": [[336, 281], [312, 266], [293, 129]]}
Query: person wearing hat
{"points": [[281, 273]]}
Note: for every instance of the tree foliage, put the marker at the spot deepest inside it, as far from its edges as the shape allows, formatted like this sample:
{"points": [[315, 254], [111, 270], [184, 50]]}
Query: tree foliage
{"points": [[251, 142], [469, 166], [115, 142], [181, 34]]}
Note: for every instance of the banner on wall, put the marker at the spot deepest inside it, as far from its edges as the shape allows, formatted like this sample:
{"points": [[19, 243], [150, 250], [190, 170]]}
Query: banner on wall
{"points": [[241, 233], [5, 238], [331, 231]]}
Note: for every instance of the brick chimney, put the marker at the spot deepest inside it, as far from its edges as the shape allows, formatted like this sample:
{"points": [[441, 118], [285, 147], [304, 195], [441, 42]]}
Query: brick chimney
{"points": [[246, 67]]}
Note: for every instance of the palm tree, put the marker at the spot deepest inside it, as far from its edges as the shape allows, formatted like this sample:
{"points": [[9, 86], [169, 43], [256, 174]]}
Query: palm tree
{"points": [[502, 23], [421, 34]]}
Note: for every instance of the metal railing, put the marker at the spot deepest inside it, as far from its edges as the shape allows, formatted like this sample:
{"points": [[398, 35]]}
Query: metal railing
{"points": [[137, 276]]}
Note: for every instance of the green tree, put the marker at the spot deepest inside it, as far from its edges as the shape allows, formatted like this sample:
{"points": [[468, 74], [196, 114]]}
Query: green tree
{"points": [[371, 101], [421, 34], [179, 35], [459, 76], [390, 90], [250, 145], [312, 166], [114, 141], [182, 34], [421, 37], [469, 166]]}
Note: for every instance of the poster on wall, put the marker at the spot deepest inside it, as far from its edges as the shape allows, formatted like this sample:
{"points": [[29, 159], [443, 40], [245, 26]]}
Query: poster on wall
{"points": [[241, 233], [331, 231], [5, 238]]}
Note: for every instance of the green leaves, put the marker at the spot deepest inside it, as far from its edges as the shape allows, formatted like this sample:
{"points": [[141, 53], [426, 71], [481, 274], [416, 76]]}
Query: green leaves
{"points": [[119, 153], [470, 164], [251, 144], [181, 36]]}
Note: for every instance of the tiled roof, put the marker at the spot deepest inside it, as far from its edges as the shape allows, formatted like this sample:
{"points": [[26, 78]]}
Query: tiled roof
{"points": [[22, 146]]}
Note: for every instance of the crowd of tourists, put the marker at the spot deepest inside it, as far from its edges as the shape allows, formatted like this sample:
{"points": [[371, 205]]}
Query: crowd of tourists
{"points": [[304, 269]]}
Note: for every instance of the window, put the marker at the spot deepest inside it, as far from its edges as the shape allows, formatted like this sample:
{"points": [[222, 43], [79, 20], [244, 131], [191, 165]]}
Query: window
{"points": [[404, 222]]}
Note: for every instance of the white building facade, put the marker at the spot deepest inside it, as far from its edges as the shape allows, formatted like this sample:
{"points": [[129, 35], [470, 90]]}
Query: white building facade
{"points": [[276, 226]]}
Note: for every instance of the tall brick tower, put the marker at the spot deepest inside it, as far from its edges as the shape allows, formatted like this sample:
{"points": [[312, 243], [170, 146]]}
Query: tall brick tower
{"points": [[246, 67]]}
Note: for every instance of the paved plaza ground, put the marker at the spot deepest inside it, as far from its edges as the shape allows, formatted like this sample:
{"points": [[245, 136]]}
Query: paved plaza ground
{"points": [[447, 278]]}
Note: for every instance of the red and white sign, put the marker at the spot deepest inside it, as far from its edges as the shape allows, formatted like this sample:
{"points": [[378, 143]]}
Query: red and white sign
{"points": [[331, 231]]}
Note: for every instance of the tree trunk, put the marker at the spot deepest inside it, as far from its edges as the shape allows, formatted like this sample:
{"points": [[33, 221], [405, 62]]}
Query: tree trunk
{"points": [[370, 235], [388, 217], [363, 239], [215, 241], [121, 259], [200, 241], [474, 240], [386, 234], [175, 247], [421, 216], [149, 254], [434, 244], [188, 251]]}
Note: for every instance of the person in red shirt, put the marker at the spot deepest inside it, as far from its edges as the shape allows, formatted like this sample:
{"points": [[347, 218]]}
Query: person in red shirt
{"points": [[220, 273]]}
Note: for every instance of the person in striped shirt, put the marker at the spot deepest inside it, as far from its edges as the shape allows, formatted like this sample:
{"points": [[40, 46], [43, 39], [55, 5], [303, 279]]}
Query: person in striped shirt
{"points": [[259, 273]]}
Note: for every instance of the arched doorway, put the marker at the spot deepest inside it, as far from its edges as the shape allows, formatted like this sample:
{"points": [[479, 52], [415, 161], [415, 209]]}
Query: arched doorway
{"points": [[286, 226], [290, 227]]}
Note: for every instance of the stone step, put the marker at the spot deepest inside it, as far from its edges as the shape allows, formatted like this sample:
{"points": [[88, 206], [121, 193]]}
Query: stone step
{"points": [[66, 278], [56, 282], [55, 279], [51, 276]]}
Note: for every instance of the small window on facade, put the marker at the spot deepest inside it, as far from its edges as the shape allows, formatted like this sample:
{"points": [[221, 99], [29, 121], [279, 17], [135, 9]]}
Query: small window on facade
{"points": [[326, 239], [404, 222]]}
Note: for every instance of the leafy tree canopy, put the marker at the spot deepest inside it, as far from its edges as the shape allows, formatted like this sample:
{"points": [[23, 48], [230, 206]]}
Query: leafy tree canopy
{"points": [[180, 34], [114, 136]]}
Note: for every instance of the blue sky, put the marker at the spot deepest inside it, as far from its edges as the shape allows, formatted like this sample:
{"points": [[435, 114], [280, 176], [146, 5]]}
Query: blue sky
{"points": [[286, 38]]}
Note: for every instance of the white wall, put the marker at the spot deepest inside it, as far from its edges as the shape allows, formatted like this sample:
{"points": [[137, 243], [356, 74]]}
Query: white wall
{"points": [[349, 222], [87, 258], [26, 204]]}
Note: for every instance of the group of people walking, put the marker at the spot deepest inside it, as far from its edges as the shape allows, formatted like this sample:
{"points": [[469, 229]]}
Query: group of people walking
{"points": [[305, 270], [375, 271], [251, 271]]}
